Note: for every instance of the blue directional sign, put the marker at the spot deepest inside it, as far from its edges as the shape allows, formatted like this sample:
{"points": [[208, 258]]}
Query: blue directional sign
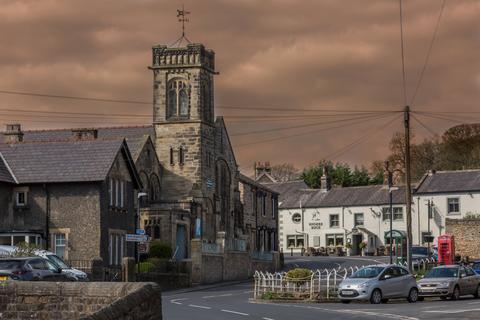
{"points": [[140, 231]]}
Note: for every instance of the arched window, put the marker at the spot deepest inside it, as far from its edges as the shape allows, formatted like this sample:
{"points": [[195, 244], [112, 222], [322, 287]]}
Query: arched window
{"points": [[181, 156], [178, 99], [154, 188], [144, 180], [223, 183]]}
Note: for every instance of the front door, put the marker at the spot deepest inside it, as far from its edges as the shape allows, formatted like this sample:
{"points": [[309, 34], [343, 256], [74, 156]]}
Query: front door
{"points": [[181, 247], [356, 240]]}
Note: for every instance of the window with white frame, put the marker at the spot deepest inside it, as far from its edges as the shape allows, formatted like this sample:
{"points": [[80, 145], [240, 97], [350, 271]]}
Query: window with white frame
{"points": [[295, 241], [117, 193], [21, 198], [122, 193], [334, 239], [334, 221], [453, 205], [60, 244], [358, 219], [397, 213]]}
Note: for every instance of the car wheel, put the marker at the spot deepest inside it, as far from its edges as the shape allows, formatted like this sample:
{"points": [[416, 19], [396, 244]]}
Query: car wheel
{"points": [[456, 293], [477, 292], [384, 300], [413, 295], [376, 297], [346, 301]]}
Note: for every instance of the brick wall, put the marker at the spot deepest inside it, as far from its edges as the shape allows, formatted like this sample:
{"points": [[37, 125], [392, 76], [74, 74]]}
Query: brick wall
{"points": [[99, 301], [467, 233]]}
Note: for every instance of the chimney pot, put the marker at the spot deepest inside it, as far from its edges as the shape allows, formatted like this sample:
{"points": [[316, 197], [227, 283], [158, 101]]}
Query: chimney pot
{"points": [[85, 133], [14, 133]]}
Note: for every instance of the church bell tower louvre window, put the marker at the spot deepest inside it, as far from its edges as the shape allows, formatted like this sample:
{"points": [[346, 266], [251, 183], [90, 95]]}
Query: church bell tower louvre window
{"points": [[181, 156], [178, 99], [172, 161]]}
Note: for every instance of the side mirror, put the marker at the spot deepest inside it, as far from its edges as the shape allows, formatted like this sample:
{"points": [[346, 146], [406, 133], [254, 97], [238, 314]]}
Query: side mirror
{"points": [[463, 275]]}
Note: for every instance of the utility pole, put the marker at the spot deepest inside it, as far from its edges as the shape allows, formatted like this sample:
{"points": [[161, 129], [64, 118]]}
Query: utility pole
{"points": [[408, 182], [429, 216], [390, 184]]}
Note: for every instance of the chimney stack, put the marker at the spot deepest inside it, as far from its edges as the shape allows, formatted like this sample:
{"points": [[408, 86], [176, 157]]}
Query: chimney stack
{"points": [[85, 133], [14, 133], [262, 168], [325, 181]]}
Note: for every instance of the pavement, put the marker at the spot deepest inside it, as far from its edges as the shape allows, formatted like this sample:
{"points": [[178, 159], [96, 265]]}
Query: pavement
{"points": [[233, 301]]}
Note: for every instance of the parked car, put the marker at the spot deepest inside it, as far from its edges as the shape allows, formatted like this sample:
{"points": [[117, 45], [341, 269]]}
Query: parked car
{"points": [[31, 269], [378, 283], [449, 281], [6, 251], [476, 266]]}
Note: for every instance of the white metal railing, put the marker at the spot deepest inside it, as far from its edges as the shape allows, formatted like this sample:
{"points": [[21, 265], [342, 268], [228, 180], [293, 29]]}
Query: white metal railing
{"points": [[262, 255], [322, 284], [210, 248]]}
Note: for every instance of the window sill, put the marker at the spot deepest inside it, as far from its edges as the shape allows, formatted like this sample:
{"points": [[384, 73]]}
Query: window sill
{"points": [[454, 213], [21, 208]]}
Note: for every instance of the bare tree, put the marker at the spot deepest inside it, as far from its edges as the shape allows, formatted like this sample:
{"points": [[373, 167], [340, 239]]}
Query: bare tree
{"points": [[285, 172]]}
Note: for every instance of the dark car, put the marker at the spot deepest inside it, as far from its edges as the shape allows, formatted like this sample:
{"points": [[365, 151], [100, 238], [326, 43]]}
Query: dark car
{"points": [[31, 269]]}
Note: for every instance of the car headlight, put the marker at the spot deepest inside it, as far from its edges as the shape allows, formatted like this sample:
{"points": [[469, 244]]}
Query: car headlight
{"points": [[364, 285], [444, 284]]}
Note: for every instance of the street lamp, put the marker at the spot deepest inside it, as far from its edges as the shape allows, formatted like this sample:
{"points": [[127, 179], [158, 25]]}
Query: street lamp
{"points": [[140, 195]]}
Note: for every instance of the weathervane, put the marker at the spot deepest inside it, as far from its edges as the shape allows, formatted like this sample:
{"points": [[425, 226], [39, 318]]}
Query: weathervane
{"points": [[182, 17]]}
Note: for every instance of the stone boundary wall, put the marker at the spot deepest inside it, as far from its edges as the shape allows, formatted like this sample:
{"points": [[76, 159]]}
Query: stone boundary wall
{"points": [[467, 235], [80, 300]]}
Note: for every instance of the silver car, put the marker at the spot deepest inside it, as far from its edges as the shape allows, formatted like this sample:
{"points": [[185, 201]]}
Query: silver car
{"points": [[449, 281], [378, 283]]}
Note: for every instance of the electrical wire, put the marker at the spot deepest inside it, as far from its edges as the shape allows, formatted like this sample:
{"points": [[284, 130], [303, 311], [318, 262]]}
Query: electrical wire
{"points": [[308, 132], [404, 82], [429, 51], [296, 126], [433, 133]]}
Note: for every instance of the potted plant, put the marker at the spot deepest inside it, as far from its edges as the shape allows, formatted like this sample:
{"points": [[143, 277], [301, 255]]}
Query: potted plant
{"points": [[348, 246], [362, 247]]}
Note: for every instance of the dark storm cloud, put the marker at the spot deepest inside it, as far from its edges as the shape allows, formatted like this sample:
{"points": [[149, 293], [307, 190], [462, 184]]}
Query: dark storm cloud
{"points": [[285, 54]]}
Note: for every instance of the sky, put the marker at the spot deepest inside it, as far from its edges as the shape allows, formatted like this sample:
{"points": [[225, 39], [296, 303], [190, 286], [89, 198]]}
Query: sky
{"points": [[277, 60]]}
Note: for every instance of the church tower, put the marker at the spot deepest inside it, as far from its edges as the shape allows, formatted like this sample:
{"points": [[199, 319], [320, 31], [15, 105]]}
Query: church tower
{"points": [[183, 119]]}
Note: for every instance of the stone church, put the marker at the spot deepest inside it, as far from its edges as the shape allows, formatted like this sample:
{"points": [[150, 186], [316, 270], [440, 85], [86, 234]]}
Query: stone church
{"points": [[184, 162]]}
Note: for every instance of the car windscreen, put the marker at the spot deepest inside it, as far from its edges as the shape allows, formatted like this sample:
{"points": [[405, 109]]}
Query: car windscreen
{"points": [[420, 251], [368, 272], [58, 261], [476, 265], [442, 273], [10, 264]]}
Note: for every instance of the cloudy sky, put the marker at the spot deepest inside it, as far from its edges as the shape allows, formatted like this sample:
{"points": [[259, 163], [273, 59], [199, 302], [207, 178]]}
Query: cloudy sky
{"points": [[277, 59]]}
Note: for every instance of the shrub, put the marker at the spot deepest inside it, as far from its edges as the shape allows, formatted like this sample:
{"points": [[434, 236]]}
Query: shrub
{"points": [[24, 249], [160, 250], [299, 274], [144, 267]]}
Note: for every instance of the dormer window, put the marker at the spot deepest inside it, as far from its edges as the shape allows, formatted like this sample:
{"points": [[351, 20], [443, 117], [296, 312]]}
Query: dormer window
{"points": [[178, 98], [21, 198]]}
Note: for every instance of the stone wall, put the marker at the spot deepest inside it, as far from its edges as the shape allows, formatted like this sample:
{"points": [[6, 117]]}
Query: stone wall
{"points": [[99, 301], [467, 233]]}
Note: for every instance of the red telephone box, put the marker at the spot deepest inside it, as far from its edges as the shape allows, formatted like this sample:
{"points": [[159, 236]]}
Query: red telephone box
{"points": [[446, 249]]}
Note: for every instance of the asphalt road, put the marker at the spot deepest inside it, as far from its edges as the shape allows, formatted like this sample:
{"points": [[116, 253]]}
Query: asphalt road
{"points": [[232, 301]]}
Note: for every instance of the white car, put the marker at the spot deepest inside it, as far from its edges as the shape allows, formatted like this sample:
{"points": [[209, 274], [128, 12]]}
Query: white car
{"points": [[52, 257]]}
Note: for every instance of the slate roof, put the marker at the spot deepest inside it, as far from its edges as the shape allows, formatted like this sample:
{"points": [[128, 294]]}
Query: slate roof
{"points": [[133, 135], [291, 193], [5, 175], [296, 193], [65, 161], [245, 179], [450, 182]]}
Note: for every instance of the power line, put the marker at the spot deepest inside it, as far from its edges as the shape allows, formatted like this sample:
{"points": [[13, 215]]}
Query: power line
{"points": [[309, 132], [404, 83], [433, 133], [298, 126], [428, 52], [359, 141], [250, 107]]}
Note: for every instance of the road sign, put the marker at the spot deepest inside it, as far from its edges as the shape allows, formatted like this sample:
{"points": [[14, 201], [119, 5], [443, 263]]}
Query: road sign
{"points": [[140, 231], [136, 238], [142, 248]]}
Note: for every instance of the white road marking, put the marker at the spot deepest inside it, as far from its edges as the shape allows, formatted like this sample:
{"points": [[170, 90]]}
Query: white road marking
{"points": [[217, 296], [175, 301], [453, 311], [196, 306], [264, 318], [474, 302], [235, 312]]}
